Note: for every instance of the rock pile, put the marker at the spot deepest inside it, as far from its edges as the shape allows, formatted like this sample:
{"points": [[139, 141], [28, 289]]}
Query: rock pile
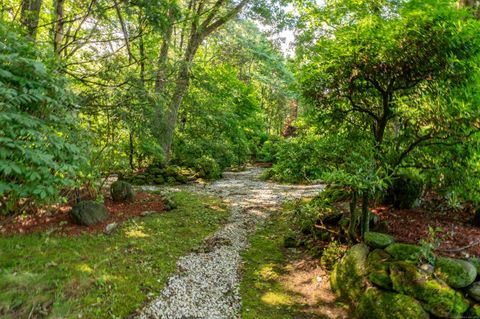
{"points": [[392, 280]]}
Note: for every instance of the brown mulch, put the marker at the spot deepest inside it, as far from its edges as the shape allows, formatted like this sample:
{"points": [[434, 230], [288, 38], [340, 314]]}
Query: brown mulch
{"points": [[57, 219], [411, 226]]}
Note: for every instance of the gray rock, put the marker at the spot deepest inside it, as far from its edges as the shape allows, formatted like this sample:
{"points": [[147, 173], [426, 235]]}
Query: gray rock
{"points": [[121, 192], [88, 213], [110, 228], [474, 291]]}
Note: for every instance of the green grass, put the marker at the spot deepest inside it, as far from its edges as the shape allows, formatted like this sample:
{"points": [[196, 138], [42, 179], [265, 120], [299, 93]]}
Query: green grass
{"points": [[101, 276], [263, 294]]}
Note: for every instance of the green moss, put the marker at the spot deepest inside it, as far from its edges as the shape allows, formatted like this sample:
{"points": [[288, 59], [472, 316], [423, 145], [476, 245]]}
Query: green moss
{"points": [[348, 278], [264, 294], [437, 297], [378, 240], [407, 252], [378, 263], [101, 276], [455, 272], [473, 311], [377, 304]]}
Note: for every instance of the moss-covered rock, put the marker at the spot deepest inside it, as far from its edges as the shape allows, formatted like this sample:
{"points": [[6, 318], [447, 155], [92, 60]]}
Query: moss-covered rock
{"points": [[121, 192], [476, 262], [456, 273], [378, 240], [437, 297], [473, 291], [377, 304], [378, 267], [88, 213], [473, 311], [348, 278], [407, 252]]}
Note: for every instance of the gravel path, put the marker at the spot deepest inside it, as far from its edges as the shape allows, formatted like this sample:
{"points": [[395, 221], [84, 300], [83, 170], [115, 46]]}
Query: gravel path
{"points": [[206, 284]]}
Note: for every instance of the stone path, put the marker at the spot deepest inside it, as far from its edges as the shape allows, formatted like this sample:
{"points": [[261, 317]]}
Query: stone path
{"points": [[206, 284]]}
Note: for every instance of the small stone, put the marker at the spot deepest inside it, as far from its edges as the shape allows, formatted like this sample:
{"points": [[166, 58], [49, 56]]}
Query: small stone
{"points": [[110, 228]]}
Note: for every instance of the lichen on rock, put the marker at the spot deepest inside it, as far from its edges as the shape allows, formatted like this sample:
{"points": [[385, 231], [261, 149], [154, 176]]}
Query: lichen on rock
{"points": [[348, 278], [456, 273], [378, 240], [437, 297], [378, 304]]}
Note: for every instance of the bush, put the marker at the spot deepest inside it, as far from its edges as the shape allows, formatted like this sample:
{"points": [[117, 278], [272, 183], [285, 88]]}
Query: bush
{"points": [[37, 155], [207, 167], [405, 191]]}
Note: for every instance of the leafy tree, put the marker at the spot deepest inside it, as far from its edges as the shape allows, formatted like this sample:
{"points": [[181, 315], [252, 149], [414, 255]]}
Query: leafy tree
{"points": [[37, 153]]}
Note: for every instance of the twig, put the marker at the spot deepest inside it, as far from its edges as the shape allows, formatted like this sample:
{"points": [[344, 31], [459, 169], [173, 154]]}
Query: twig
{"points": [[461, 248]]}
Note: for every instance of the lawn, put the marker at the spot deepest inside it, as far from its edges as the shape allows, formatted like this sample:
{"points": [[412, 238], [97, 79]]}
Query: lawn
{"points": [[101, 276]]}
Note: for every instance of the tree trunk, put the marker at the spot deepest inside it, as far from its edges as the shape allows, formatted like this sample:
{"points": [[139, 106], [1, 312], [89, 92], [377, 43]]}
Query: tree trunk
{"points": [[163, 56], [58, 29], [474, 4], [29, 17], [132, 150], [365, 227], [353, 216], [181, 87]]}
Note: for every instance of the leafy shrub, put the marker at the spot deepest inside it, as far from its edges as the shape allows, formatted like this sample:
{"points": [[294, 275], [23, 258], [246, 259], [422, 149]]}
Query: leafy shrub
{"points": [[37, 155], [331, 254], [298, 159], [207, 167], [405, 191]]}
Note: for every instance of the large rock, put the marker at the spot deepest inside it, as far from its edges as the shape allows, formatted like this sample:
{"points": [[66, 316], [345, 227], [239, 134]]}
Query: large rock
{"points": [[407, 252], [474, 291], [378, 267], [473, 312], [378, 240], [89, 213], [121, 192], [377, 304], [437, 297], [348, 278], [455, 272]]}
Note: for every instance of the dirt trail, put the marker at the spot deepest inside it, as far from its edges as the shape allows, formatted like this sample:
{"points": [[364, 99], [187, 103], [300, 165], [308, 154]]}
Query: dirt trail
{"points": [[206, 284]]}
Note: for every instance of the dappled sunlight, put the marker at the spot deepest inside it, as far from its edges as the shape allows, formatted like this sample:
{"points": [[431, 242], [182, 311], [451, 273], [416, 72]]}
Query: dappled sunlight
{"points": [[84, 268], [136, 231], [267, 272], [277, 299]]}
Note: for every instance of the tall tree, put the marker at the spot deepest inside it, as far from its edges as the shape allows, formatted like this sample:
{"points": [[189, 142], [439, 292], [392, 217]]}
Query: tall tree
{"points": [[204, 21]]}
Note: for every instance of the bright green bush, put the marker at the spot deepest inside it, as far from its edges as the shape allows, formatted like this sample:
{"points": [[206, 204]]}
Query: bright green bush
{"points": [[37, 155]]}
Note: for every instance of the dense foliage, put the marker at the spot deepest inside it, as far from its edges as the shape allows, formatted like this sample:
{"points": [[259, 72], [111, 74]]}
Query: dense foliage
{"points": [[38, 152]]}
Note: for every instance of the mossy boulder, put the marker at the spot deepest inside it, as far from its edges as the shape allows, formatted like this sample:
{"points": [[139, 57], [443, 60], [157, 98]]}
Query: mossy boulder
{"points": [[122, 192], [473, 291], [437, 297], [408, 252], [88, 213], [377, 304], [378, 267], [473, 311], [378, 240], [456, 273], [476, 262], [348, 278]]}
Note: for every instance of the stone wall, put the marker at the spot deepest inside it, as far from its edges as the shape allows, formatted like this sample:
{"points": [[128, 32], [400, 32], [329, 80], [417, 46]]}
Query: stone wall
{"points": [[384, 279]]}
